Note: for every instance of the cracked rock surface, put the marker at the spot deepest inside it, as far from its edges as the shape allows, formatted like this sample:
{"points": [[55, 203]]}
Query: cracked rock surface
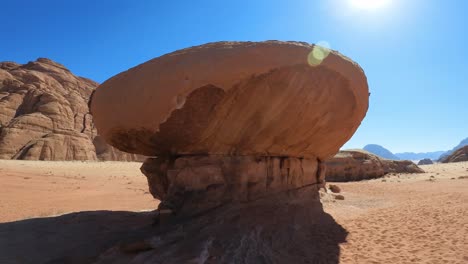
{"points": [[45, 116]]}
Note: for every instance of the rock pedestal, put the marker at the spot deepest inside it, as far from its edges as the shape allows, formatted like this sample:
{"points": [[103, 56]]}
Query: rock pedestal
{"points": [[190, 185]]}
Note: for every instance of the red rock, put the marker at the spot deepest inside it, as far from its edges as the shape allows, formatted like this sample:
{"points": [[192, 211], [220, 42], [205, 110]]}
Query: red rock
{"points": [[45, 114], [355, 165], [458, 155], [240, 131], [234, 98]]}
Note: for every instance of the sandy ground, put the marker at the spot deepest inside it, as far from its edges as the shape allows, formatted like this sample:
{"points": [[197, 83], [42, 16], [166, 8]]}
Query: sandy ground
{"points": [[399, 219], [30, 189], [421, 218]]}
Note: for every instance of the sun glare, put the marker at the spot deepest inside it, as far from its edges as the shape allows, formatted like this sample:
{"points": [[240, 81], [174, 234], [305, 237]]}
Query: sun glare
{"points": [[369, 4]]}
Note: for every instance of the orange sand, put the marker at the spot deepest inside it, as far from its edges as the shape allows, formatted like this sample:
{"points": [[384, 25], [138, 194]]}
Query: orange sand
{"points": [[406, 218], [30, 189], [399, 219]]}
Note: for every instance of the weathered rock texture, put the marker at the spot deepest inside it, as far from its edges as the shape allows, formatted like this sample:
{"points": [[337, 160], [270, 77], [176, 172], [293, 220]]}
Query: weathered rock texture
{"points": [[425, 162], [234, 98], [45, 116], [458, 155], [195, 184], [234, 126], [356, 165]]}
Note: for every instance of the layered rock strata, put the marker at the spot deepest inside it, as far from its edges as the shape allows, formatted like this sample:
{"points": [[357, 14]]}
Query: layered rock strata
{"points": [[356, 165], [193, 184]]}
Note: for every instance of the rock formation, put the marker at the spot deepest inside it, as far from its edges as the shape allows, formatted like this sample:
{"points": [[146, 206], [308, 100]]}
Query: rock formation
{"points": [[462, 143], [356, 165], [425, 162], [240, 131], [458, 155], [45, 115]]}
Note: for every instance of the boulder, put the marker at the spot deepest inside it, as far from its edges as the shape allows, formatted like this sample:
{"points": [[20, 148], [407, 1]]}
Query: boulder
{"points": [[356, 165], [334, 188], [240, 131], [234, 98], [458, 155], [425, 162], [45, 114]]}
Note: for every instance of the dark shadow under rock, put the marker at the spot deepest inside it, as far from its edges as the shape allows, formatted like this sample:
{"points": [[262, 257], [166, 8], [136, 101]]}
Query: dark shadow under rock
{"points": [[72, 238], [287, 228]]}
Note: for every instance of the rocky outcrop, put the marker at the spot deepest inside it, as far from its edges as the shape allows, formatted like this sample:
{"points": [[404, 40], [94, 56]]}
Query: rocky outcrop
{"points": [[425, 162], [45, 114], [240, 131], [458, 155], [236, 98], [445, 155], [356, 165]]}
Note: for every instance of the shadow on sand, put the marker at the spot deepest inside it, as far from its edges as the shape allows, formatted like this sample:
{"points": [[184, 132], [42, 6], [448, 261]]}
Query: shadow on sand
{"points": [[296, 235], [71, 238]]}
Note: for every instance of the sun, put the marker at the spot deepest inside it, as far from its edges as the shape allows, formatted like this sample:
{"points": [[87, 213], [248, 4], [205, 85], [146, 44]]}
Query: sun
{"points": [[369, 4]]}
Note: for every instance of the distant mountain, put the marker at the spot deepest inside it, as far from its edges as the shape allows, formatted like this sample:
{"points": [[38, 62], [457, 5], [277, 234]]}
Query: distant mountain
{"points": [[380, 151], [459, 146], [419, 156]]}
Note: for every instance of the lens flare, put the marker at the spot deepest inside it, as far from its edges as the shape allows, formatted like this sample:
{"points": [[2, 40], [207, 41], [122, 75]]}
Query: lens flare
{"points": [[319, 52]]}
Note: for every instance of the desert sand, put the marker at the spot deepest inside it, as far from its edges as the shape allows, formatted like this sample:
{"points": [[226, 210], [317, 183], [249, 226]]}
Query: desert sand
{"points": [[30, 189], [406, 218], [402, 218]]}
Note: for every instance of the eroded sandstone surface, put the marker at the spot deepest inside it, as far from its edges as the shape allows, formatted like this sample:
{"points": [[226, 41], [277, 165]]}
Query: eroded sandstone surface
{"points": [[235, 98], [45, 116], [233, 126], [458, 155], [194, 184], [356, 165]]}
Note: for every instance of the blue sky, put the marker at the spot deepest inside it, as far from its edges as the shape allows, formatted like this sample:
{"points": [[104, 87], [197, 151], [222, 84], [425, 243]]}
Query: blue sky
{"points": [[415, 53]]}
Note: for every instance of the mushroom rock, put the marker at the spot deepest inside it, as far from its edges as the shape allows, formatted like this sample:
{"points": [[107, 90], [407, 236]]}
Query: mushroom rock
{"points": [[235, 125]]}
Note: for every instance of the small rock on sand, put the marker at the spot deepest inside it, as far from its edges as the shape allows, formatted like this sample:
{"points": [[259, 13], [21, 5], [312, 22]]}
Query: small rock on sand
{"points": [[334, 188]]}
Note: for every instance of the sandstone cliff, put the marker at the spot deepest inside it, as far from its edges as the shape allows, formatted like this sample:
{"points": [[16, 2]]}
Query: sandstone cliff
{"points": [[45, 116]]}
